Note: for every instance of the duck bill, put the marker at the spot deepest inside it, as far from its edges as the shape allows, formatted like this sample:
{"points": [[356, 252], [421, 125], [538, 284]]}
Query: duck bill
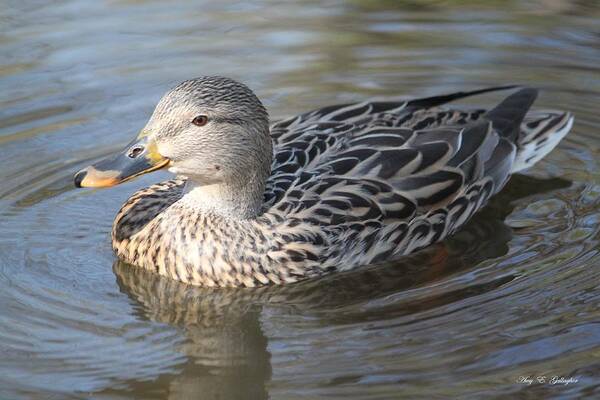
{"points": [[139, 157]]}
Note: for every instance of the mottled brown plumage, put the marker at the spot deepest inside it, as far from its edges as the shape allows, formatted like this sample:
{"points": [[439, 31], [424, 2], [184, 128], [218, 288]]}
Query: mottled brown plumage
{"points": [[328, 190]]}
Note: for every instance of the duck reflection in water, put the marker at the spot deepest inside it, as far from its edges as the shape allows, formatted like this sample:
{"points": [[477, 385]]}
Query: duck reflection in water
{"points": [[226, 347]]}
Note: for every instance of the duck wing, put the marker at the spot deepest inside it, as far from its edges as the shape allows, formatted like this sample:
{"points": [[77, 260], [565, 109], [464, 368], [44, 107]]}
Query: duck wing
{"points": [[303, 142], [331, 172]]}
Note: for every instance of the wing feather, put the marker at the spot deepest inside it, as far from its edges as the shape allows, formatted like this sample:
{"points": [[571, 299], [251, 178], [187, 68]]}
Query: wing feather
{"points": [[406, 172]]}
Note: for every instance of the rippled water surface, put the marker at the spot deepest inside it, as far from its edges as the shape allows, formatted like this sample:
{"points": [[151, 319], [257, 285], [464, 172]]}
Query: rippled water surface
{"points": [[514, 294]]}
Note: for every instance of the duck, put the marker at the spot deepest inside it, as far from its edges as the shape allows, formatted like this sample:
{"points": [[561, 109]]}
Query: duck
{"points": [[256, 203]]}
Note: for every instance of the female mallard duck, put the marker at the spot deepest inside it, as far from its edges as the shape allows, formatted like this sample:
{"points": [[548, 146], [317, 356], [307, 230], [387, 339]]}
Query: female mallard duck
{"points": [[328, 190]]}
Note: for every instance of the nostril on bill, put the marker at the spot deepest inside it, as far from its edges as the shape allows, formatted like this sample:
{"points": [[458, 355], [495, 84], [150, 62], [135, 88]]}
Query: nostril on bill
{"points": [[135, 151], [79, 177]]}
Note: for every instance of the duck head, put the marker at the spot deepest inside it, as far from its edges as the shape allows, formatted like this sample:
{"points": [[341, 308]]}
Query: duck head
{"points": [[212, 130]]}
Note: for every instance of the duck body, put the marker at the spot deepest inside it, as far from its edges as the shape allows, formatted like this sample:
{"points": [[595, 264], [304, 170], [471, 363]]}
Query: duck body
{"points": [[348, 185]]}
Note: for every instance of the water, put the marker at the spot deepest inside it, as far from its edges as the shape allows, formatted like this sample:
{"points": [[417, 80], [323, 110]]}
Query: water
{"points": [[514, 294]]}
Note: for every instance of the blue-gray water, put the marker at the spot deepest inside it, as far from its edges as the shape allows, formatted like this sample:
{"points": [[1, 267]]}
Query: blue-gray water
{"points": [[515, 294]]}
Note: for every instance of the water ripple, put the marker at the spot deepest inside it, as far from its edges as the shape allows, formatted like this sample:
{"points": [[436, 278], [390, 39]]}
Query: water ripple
{"points": [[513, 294]]}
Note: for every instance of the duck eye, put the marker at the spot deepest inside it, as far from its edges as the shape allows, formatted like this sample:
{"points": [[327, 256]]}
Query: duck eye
{"points": [[200, 120]]}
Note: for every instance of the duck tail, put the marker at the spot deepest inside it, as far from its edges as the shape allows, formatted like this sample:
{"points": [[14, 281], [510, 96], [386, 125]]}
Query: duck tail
{"points": [[534, 133], [507, 116], [539, 133]]}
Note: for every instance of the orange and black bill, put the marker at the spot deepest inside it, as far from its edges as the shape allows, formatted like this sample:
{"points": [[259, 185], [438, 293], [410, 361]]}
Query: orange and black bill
{"points": [[139, 157]]}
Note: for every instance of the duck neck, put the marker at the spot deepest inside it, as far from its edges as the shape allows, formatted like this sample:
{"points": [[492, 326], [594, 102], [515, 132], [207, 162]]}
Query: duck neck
{"points": [[236, 200]]}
